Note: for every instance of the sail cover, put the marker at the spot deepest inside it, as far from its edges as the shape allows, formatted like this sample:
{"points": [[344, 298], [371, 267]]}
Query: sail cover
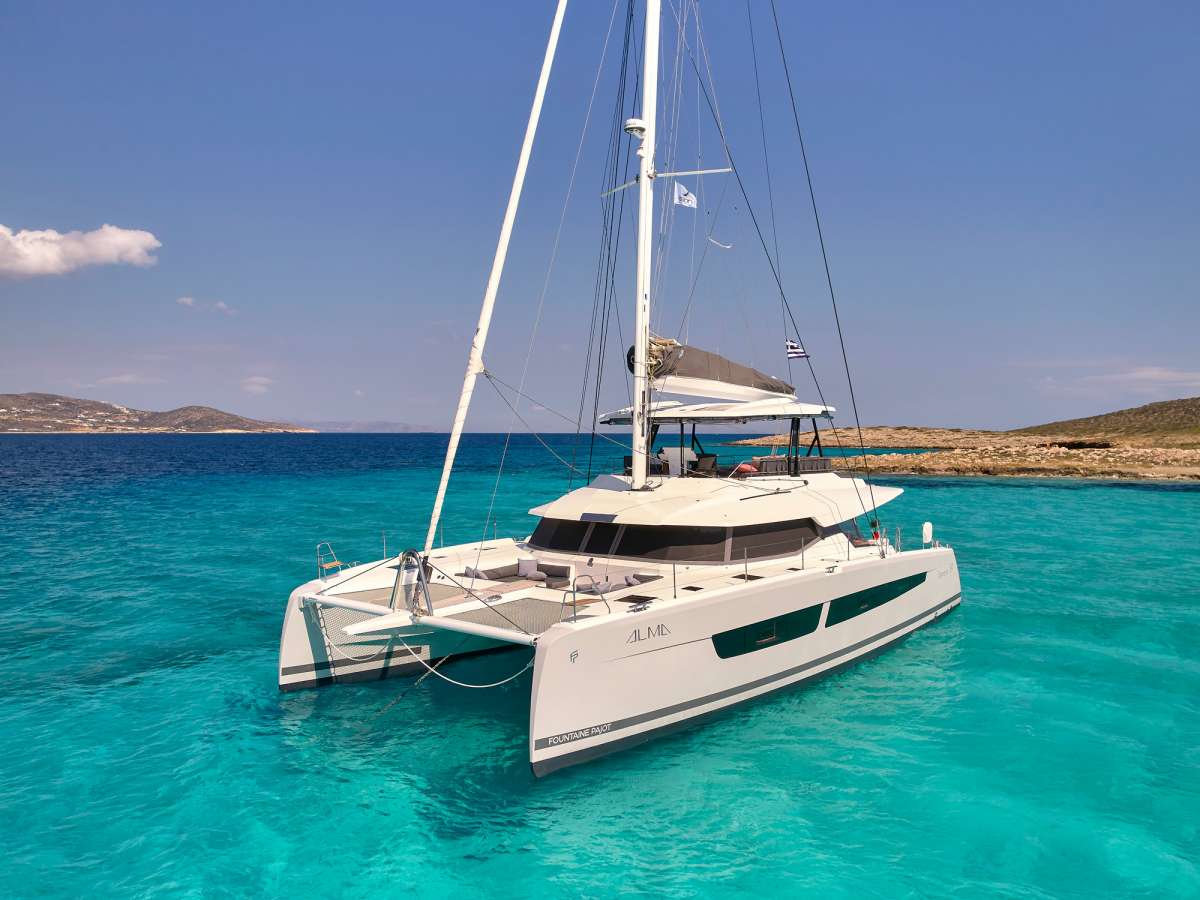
{"points": [[676, 368]]}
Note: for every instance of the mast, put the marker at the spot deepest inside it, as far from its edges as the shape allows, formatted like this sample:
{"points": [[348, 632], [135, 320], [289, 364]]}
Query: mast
{"points": [[475, 358], [641, 335]]}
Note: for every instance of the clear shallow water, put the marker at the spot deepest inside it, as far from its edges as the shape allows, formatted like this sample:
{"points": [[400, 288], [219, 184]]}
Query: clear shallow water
{"points": [[1042, 741]]}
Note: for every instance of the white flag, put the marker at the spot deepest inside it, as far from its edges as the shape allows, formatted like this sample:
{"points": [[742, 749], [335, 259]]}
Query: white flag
{"points": [[684, 197]]}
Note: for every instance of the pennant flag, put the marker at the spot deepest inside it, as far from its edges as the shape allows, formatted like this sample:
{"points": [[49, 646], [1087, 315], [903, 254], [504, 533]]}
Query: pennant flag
{"points": [[684, 197], [794, 350]]}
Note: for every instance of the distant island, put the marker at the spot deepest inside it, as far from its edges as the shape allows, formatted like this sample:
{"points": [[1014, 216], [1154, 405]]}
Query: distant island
{"points": [[365, 426], [54, 413], [1158, 440]]}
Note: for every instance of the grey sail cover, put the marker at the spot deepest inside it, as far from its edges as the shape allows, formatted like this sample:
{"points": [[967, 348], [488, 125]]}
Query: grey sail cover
{"points": [[678, 368]]}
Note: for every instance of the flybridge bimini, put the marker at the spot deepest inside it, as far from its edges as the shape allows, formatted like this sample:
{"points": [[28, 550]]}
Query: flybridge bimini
{"points": [[659, 593]]}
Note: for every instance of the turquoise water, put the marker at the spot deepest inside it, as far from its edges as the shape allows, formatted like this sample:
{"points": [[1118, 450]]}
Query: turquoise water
{"points": [[1042, 741]]}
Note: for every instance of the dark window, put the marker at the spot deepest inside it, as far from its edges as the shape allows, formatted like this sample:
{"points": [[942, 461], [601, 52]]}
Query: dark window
{"points": [[600, 541], [767, 633], [672, 543], [850, 529], [558, 534], [773, 539], [845, 608]]}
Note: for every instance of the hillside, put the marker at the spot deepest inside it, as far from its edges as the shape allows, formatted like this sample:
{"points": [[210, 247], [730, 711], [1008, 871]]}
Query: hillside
{"points": [[1158, 440], [1174, 423], [50, 413]]}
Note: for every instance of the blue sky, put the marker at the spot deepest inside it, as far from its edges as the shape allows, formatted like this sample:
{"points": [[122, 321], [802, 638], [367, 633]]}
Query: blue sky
{"points": [[1009, 193]]}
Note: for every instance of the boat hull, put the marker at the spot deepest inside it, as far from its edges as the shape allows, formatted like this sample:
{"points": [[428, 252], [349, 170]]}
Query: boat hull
{"points": [[607, 688], [314, 651]]}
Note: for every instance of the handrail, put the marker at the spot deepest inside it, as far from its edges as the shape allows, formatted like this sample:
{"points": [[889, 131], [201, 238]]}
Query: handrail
{"points": [[326, 560], [574, 592]]}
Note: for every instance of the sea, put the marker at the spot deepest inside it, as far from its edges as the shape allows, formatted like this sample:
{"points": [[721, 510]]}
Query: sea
{"points": [[1041, 741]]}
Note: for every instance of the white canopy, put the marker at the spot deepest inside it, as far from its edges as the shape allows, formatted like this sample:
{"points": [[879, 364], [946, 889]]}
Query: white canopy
{"points": [[672, 412], [826, 497]]}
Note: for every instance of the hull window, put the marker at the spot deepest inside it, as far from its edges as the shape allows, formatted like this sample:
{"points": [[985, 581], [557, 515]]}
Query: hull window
{"points": [[767, 633], [845, 608]]}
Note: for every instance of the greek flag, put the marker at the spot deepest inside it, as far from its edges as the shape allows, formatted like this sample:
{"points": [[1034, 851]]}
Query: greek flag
{"points": [[794, 350]]}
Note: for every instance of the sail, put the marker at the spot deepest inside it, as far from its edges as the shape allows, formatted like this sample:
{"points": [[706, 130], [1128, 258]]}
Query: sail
{"points": [[676, 368]]}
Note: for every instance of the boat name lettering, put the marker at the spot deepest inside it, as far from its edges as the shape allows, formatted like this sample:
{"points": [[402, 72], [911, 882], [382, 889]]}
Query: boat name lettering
{"points": [[645, 634], [567, 737]]}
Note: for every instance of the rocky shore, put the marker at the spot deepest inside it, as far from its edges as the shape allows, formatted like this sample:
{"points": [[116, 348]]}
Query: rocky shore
{"points": [[1068, 451], [1113, 462]]}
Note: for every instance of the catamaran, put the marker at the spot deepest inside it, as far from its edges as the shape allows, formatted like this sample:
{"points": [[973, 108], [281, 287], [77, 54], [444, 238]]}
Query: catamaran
{"points": [[662, 592]]}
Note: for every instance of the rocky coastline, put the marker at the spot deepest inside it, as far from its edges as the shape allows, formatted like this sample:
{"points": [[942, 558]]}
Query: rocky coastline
{"points": [[952, 451]]}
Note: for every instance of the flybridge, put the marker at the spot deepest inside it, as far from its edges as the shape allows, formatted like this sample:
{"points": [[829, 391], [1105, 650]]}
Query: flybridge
{"points": [[827, 498]]}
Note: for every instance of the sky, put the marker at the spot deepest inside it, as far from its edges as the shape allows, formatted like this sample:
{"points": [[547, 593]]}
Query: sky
{"points": [[289, 211]]}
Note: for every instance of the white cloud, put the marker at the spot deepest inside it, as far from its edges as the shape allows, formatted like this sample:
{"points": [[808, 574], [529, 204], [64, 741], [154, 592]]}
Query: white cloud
{"points": [[26, 254], [219, 306], [129, 378], [1149, 378], [257, 384]]}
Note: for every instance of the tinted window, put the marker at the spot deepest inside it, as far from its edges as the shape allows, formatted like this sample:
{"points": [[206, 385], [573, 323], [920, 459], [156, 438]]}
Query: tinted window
{"points": [[672, 543], [859, 602], [600, 541], [773, 539], [558, 534], [767, 633]]}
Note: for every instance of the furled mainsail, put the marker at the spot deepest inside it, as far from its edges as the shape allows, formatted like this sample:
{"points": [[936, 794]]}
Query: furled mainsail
{"points": [[676, 368]]}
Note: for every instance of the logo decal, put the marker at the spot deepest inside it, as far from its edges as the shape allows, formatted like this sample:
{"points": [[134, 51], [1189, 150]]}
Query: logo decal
{"points": [[645, 634]]}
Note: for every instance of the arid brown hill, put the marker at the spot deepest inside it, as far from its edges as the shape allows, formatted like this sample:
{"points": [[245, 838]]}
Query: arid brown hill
{"points": [[53, 412], [1170, 423]]}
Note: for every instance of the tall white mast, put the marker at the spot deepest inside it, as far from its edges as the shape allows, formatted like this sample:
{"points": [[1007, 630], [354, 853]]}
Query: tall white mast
{"points": [[641, 329], [475, 359]]}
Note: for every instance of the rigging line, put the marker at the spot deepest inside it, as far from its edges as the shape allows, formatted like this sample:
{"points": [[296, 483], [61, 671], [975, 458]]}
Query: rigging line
{"points": [[612, 155], [740, 297], [384, 561], [471, 592], [824, 256], [562, 220], [700, 190], [599, 434], [415, 684], [683, 321], [479, 687], [667, 213], [609, 307], [762, 130], [715, 112], [536, 436], [499, 382]]}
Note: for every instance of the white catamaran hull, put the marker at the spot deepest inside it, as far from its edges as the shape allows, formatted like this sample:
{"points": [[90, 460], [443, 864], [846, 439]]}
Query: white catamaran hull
{"points": [[315, 651], [623, 680]]}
